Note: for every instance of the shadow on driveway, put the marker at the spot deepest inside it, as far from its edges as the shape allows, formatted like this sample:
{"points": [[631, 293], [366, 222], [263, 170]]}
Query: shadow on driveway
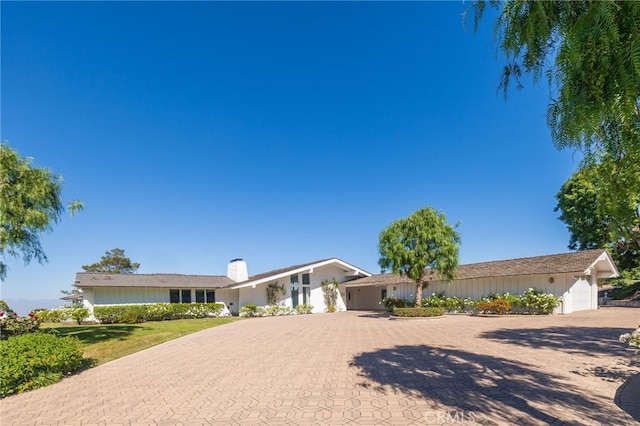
{"points": [[577, 340], [486, 385]]}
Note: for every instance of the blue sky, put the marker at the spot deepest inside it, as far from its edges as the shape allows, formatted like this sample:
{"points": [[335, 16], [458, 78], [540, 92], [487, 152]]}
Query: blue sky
{"points": [[280, 133]]}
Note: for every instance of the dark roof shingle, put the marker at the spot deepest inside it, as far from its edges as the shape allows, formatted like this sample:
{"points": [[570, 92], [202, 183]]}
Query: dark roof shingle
{"points": [[87, 279], [577, 262]]}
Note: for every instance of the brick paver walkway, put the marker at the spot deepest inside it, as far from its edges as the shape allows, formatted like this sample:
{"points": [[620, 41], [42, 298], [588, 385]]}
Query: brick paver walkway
{"points": [[359, 368]]}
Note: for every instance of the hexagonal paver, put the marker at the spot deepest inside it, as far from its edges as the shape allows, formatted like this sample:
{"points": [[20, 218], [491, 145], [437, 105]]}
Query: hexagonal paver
{"points": [[351, 368]]}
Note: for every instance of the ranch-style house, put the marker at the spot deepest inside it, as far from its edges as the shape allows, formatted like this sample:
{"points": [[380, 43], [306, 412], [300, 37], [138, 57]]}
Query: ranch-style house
{"points": [[571, 276]]}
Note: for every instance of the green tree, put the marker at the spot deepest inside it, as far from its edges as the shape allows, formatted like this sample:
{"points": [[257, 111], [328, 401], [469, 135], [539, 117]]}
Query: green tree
{"points": [[423, 240], [113, 262], [589, 51], [586, 210], [30, 203]]}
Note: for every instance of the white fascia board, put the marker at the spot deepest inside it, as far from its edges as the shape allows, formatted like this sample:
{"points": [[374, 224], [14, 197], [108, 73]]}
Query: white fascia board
{"points": [[604, 257], [308, 268]]}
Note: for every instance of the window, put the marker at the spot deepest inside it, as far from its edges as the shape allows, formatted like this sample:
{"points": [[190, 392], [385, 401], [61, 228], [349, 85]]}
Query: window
{"points": [[384, 294], [199, 296], [186, 296], [294, 290], [211, 296], [174, 296], [306, 289]]}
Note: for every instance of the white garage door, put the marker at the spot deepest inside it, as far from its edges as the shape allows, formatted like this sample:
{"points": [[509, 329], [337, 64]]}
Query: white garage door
{"points": [[581, 295]]}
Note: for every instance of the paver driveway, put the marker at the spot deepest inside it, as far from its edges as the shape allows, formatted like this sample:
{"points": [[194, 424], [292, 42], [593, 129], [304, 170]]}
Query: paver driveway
{"points": [[358, 368]]}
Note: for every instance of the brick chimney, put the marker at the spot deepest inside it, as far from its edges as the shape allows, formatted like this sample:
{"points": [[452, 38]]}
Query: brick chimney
{"points": [[237, 270]]}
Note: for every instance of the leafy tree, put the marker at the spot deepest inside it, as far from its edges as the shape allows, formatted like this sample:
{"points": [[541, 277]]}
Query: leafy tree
{"points": [[30, 203], [113, 262], [589, 51], [588, 216], [423, 240]]}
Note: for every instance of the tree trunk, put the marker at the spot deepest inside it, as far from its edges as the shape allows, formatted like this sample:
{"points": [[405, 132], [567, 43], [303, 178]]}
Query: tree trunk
{"points": [[418, 303], [419, 285]]}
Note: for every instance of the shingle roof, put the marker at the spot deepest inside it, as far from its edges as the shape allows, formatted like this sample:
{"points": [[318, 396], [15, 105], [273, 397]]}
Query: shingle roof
{"points": [[279, 271], [86, 279], [577, 262], [276, 272]]}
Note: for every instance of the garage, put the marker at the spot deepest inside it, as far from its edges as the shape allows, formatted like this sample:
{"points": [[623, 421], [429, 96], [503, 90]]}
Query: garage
{"points": [[581, 295], [364, 297]]}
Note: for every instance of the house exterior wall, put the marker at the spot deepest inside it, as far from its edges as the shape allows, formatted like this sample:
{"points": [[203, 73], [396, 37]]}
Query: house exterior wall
{"points": [[567, 286], [129, 295], [139, 295], [230, 298], [258, 294]]}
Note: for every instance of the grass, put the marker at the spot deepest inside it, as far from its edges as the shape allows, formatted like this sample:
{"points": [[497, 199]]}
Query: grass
{"points": [[103, 343]]}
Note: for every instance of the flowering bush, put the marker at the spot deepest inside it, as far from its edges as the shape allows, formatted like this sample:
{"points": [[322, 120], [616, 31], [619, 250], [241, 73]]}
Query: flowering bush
{"points": [[497, 306], [434, 301], [34, 360], [64, 314], [12, 325], [132, 314], [633, 339], [304, 309], [251, 310], [534, 300]]}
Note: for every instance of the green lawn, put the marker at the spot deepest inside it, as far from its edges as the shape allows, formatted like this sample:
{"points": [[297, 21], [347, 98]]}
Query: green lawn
{"points": [[102, 343]]}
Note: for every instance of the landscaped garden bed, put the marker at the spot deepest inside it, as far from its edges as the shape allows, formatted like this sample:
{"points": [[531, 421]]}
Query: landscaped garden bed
{"points": [[531, 302]]}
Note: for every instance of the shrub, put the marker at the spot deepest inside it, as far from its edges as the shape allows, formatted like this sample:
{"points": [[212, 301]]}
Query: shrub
{"points": [[393, 302], [132, 314], [434, 301], [418, 312], [12, 326], [5, 309], [304, 309], [53, 315], [249, 310], [274, 311], [79, 314], [496, 306], [34, 360], [536, 301]]}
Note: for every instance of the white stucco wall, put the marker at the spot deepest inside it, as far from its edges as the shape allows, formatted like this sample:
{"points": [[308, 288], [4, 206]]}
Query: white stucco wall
{"points": [[258, 294], [230, 298]]}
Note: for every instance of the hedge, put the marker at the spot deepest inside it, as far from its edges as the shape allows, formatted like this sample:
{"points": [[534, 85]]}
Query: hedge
{"points": [[132, 314], [33, 360], [418, 312]]}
